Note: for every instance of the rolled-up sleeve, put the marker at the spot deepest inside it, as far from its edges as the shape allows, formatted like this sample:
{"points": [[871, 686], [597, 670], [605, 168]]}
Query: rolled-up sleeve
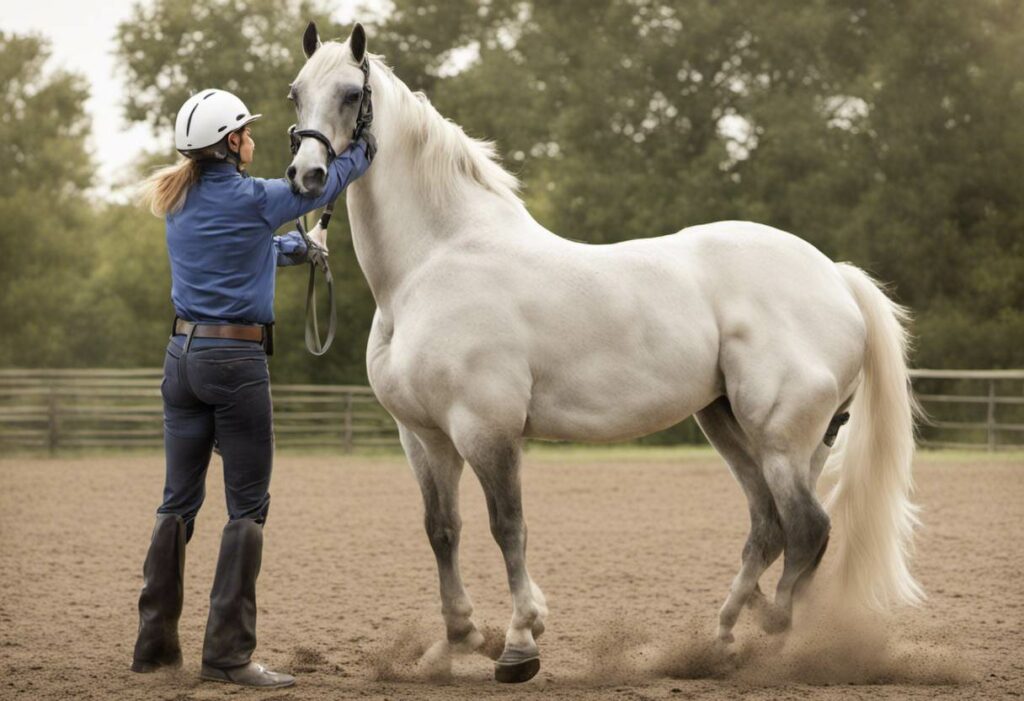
{"points": [[278, 204], [291, 249]]}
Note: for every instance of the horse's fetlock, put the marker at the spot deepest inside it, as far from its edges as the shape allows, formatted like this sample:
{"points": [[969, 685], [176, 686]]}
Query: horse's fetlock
{"points": [[527, 616], [459, 628]]}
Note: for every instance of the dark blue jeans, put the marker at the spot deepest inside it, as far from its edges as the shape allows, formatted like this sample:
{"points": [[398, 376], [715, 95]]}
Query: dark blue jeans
{"points": [[217, 393]]}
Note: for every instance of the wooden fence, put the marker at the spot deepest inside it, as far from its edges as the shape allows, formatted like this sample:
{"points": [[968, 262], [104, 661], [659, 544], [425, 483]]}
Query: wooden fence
{"points": [[55, 409], [971, 408], [73, 409]]}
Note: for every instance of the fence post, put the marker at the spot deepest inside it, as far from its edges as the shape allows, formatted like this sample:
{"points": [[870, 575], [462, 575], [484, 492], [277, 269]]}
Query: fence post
{"points": [[991, 421], [54, 428], [347, 437]]}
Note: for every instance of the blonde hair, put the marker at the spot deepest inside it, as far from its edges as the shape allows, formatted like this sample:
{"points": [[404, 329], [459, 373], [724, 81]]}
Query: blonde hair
{"points": [[164, 191]]}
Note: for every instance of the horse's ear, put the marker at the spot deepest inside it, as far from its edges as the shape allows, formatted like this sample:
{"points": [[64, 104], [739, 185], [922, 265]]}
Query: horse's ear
{"points": [[357, 42], [310, 40]]}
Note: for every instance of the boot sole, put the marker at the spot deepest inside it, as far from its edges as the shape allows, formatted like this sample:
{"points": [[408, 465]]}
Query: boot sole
{"points": [[216, 675], [149, 667]]}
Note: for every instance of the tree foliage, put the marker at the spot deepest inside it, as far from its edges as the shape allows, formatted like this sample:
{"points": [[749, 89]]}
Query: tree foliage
{"points": [[883, 132], [886, 133], [43, 209]]}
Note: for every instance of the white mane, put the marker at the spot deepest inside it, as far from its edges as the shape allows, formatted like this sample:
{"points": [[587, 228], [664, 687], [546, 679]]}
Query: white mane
{"points": [[447, 155]]}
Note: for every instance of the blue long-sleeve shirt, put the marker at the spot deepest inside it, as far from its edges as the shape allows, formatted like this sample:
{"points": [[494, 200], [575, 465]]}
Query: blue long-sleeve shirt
{"points": [[222, 247]]}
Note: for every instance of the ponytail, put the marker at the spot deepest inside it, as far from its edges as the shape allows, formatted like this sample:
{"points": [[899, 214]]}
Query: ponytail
{"points": [[164, 191]]}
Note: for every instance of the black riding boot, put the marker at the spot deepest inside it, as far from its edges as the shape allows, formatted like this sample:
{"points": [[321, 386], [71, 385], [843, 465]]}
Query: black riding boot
{"points": [[162, 592], [231, 628]]}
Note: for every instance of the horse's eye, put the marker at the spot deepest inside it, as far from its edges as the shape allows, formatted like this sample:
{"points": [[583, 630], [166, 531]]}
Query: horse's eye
{"points": [[353, 97]]}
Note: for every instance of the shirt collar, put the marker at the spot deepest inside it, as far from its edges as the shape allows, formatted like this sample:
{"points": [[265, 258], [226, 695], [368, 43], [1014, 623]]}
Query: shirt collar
{"points": [[223, 167]]}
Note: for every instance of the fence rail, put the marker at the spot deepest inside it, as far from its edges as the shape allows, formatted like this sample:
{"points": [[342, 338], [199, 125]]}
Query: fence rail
{"points": [[971, 408], [58, 409]]}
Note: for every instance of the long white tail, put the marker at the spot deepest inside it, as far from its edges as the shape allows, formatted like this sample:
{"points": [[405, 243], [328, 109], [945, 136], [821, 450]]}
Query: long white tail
{"points": [[870, 504]]}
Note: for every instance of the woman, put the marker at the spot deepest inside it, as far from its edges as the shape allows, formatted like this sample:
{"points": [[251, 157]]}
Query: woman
{"points": [[216, 386]]}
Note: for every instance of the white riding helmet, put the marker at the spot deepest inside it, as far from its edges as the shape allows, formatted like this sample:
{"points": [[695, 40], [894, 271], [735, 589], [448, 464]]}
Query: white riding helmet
{"points": [[207, 117]]}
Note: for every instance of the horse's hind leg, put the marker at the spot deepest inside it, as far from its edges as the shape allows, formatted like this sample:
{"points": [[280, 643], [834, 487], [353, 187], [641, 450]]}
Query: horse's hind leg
{"points": [[805, 521], [438, 468], [765, 541], [792, 458], [806, 527], [496, 462]]}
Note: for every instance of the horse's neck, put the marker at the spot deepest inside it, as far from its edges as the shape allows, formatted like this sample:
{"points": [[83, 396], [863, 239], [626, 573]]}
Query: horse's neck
{"points": [[397, 225], [387, 234]]}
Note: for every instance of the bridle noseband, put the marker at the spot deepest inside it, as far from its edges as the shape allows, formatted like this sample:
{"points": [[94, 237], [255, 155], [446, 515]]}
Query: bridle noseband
{"points": [[295, 137]]}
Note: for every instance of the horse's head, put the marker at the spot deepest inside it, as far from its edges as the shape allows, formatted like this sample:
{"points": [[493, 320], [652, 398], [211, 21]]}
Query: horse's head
{"points": [[327, 94]]}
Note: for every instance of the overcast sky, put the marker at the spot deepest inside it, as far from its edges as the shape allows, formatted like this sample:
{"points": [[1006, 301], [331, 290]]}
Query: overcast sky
{"points": [[82, 36]]}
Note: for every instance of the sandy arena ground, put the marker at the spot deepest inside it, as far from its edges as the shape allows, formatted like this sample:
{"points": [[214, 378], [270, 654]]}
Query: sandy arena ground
{"points": [[635, 552]]}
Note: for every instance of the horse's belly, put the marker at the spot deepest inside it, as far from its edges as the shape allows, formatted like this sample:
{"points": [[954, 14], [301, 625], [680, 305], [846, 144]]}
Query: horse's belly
{"points": [[621, 403]]}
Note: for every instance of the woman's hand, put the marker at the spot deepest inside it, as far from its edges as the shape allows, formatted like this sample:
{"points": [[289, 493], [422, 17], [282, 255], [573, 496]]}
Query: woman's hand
{"points": [[316, 247], [319, 236]]}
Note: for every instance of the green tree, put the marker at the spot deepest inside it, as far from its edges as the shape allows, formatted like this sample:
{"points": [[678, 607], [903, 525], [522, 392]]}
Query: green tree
{"points": [[43, 209], [883, 132]]}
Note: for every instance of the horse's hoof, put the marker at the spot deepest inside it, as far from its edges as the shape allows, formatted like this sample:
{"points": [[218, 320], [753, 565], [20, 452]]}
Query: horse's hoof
{"points": [[436, 662], [516, 672]]}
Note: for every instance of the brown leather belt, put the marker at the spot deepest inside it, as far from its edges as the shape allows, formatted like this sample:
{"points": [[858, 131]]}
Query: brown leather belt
{"points": [[257, 333]]}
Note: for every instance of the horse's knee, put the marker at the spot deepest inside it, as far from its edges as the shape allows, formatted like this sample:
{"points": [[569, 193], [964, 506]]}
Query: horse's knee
{"points": [[443, 533]]}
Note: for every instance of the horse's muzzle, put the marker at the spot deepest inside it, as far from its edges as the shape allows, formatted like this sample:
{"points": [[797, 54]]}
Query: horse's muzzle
{"points": [[311, 183]]}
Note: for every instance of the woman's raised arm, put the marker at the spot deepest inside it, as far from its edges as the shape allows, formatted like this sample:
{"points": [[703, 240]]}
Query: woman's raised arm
{"points": [[279, 204]]}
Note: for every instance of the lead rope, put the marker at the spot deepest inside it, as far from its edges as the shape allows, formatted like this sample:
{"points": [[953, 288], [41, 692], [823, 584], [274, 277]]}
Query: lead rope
{"points": [[318, 260]]}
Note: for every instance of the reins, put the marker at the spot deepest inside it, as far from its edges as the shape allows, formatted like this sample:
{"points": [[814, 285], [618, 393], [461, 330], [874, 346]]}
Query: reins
{"points": [[317, 256]]}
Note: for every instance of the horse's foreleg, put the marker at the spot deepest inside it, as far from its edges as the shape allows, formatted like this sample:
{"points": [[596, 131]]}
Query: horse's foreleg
{"points": [[497, 465], [765, 541], [438, 467]]}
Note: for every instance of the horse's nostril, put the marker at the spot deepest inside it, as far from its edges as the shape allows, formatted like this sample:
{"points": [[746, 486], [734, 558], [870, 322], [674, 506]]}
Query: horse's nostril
{"points": [[314, 178], [290, 172]]}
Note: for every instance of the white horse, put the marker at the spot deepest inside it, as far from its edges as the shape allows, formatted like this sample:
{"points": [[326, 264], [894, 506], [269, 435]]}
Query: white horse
{"points": [[490, 329]]}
